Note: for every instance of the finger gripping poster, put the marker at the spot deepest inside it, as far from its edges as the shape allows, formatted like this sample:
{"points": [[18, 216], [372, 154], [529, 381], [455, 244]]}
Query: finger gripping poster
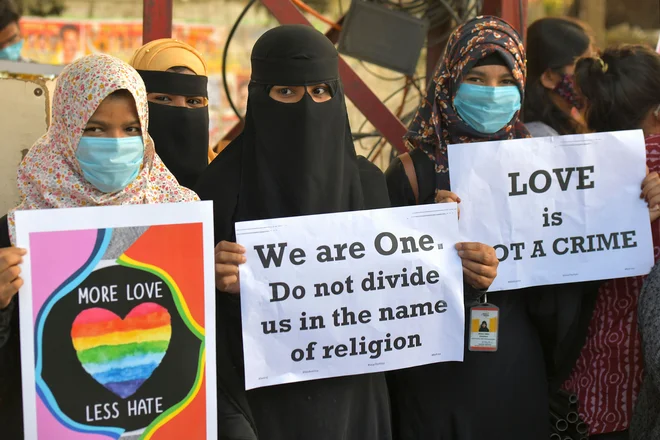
{"points": [[119, 325]]}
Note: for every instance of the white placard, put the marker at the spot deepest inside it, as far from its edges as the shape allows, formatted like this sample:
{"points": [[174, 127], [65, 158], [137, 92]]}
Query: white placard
{"points": [[557, 209], [117, 321], [368, 291]]}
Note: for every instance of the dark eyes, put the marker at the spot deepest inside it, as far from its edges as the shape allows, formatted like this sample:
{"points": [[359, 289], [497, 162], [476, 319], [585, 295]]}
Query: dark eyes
{"points": [[320, 90], [99, 130]]}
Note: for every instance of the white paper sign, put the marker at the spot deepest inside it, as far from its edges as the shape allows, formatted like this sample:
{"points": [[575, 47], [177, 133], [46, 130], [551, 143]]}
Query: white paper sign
{"points": [[557, 209], [117, 318], [367, 291]]}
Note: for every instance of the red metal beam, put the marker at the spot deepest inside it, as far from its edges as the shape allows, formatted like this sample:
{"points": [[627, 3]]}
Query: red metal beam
{"points": [[508, 10], [434, 50], [357, 91], [156, 20]]}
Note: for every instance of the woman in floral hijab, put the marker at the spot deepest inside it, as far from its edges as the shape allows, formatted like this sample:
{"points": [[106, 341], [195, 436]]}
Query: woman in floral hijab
{"points": [[96, 152]]}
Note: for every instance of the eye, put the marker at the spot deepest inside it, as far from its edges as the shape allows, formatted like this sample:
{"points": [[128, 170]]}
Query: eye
{"points": [[321, 90], [93, 130], [195, 101], [508, 82], [284, 91], [162, 98], [474, 79], [134, 130]]}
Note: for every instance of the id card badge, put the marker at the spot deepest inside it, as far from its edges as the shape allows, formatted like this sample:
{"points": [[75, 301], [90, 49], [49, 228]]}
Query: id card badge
{"points": [[484, 327]]}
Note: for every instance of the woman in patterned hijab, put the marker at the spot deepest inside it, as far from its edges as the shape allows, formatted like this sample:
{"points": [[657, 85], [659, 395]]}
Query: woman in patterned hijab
{"points": [[439, 121], [96, 152], [475, 96]]}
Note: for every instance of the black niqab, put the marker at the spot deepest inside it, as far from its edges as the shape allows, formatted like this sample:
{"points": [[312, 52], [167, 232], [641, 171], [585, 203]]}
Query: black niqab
{"points": [[298, 158], [181, 135], [292, 159]]}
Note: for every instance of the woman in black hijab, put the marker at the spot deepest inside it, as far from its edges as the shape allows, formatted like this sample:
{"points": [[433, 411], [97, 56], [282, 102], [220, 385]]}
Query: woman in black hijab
{"points": [[175, 75], [294, 157]]}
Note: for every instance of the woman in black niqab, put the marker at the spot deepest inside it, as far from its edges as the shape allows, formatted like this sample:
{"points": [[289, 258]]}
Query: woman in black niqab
{"points": [[292, 159]]}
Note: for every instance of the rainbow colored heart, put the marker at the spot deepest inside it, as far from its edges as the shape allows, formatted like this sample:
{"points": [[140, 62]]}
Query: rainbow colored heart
{"points": [[122, 354]]}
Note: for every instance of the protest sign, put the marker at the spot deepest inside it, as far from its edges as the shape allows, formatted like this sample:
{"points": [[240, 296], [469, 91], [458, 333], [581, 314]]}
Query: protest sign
{"points": [[350, 293], [117, 322], [557, 209]]}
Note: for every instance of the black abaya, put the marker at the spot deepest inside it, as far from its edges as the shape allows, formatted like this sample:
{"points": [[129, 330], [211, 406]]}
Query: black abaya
{"points": [[501, 395], [292, 159]]}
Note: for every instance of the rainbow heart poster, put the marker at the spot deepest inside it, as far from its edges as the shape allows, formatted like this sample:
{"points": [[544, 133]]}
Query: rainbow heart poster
{"points": [[117, 325], [122, 354]]}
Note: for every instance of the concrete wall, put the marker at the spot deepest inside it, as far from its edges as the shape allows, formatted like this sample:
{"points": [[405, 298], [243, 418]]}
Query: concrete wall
{"points": [[27, 121]]}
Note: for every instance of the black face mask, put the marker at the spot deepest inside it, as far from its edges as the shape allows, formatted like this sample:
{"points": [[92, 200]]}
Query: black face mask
{"points": [[181, 135], [297, 158]]}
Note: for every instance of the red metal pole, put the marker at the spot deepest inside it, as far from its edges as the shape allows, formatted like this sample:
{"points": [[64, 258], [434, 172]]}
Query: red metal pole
{"points": [[434, 50], [156, 20]]}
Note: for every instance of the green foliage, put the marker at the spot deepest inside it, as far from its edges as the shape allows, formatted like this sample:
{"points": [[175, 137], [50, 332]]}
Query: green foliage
{"points": [[41, 8]]}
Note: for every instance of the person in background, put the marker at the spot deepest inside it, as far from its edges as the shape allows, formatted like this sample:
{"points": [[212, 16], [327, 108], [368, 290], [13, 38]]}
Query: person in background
{"points": [[622, 92], [11, 40], [175, 75], [70, 39], [552, 106], [475, 96], [96, 152]]}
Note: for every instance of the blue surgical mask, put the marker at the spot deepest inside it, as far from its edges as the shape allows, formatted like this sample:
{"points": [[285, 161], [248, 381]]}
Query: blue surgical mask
{"points": [[487, 109], [12, 52], [110, 164]]}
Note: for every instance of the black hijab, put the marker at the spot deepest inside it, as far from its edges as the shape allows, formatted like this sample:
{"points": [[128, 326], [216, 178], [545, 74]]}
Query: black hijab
{"points": [[298, 158], [181, 135], [294, 158], [291, 159]]}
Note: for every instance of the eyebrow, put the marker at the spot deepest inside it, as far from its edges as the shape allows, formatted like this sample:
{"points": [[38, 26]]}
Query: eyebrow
{"points": [[478, 73], [95, 122], [103, 124]]}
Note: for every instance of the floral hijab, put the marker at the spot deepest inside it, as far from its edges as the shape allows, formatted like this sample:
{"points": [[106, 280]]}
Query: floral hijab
{"points": [[50, 177], [436, 123]]}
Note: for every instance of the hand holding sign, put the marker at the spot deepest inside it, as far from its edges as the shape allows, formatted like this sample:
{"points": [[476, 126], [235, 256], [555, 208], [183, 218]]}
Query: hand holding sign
{"points": [[479, 264], [10, 280], [479, 260], [227, 258], [444, 196], [651, 193]]}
